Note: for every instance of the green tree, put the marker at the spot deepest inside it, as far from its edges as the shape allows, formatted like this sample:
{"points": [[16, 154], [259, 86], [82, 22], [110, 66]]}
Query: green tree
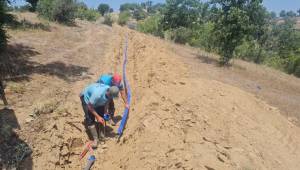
{"points": [[3, 14], [291, 14], [128, 7], [82, 5], [282, 13], [298, 11], [103, 9], [157, 8], [63, 11], [273, 15], [33, 4], [180, 13], [258, 27], [235, 21], [287, 38]]}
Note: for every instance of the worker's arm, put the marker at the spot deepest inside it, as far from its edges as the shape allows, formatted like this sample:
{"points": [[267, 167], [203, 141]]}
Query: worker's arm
{"points": [[124, 97], [92, 110]]}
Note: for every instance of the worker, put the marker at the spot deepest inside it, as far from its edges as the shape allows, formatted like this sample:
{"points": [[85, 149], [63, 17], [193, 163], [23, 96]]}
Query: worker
{"points": [[113, 80], [2, 94], [94, 99]]}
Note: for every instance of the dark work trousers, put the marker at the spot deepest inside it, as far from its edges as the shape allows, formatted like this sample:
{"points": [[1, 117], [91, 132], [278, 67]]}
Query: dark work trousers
{"points": [[89, 117], [111, 107]]}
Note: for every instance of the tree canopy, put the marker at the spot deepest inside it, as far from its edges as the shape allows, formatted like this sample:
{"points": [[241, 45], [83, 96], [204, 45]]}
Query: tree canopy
{"points": [[103, 8]]}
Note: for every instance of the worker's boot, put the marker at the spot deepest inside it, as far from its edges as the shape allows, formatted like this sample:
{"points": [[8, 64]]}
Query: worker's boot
{"points": [[102, 133], [95, 136]]}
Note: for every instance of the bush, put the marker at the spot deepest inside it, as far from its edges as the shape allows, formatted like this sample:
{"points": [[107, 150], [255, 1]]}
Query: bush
{"points": [[62, 11], [124, 18], [276, 62], [250, 51], [151, 25], [87, 14], [108, 20], [297, 71], [293, 66], [203, 37], [181, 35]]}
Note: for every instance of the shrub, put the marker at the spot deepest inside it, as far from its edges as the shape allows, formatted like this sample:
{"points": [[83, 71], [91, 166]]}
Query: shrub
{"points": [[250, 51], [276, 62], [108, 20], [45, 8], [124, 18], [151, 25], [87, 14], [181, 35], [203, 37], [293, 66], [63, 11], [297, 71]]}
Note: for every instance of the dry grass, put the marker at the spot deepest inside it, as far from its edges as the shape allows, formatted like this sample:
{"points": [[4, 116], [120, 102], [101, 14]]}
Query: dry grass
{"points": [[18, 88], [45, 107]]}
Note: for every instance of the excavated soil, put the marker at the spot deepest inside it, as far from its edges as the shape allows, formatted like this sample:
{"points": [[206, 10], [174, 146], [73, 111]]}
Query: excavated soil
{"points": [[185, 113]]}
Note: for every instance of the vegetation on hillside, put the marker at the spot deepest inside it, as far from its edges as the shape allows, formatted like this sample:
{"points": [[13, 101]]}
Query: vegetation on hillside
{"points": [[63, 11], [243, 29], [85, 13], [234, 29]]}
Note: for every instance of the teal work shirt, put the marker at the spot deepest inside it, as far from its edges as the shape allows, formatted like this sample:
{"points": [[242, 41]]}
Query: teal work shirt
{"points": [[95, 94]]}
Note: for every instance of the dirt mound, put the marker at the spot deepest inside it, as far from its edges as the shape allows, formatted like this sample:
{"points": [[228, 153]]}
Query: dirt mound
{"points": [[178, 120]]}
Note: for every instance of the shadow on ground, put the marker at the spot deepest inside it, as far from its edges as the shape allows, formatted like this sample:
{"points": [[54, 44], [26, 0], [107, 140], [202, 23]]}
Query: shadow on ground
{"points": [[16, 64], [13, 150], [207, 60]]}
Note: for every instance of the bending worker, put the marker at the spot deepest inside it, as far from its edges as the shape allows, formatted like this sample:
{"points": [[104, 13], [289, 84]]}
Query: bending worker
{"points": [[113, 80], [94, 99]]}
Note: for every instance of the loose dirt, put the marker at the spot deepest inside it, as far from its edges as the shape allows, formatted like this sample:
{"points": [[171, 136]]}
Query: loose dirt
{"points": [[185, 113]]}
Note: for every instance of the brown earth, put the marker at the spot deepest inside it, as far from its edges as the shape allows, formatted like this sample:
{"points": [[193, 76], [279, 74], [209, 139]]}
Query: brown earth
{"points": [[186, 112]]}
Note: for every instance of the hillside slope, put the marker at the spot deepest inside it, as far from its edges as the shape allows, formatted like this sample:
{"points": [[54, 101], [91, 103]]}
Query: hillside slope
{"points": [[180, 117]]}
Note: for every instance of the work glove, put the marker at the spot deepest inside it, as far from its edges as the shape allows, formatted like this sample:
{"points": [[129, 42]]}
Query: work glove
{"points": [[106, 117]]}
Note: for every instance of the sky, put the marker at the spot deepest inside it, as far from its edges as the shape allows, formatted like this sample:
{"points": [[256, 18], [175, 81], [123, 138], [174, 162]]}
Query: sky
{"points": [[272, 5]]}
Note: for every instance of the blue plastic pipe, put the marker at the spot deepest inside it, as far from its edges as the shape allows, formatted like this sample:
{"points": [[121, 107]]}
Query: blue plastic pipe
{"points": [[128, 91]]}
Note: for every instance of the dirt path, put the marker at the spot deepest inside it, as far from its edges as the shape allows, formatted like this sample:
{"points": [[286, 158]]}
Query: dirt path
{"points": [[179, 119], [52, 68]]}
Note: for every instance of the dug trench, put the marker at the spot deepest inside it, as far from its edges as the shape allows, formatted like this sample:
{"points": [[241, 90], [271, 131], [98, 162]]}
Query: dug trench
{"points": [[179, 118]]}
